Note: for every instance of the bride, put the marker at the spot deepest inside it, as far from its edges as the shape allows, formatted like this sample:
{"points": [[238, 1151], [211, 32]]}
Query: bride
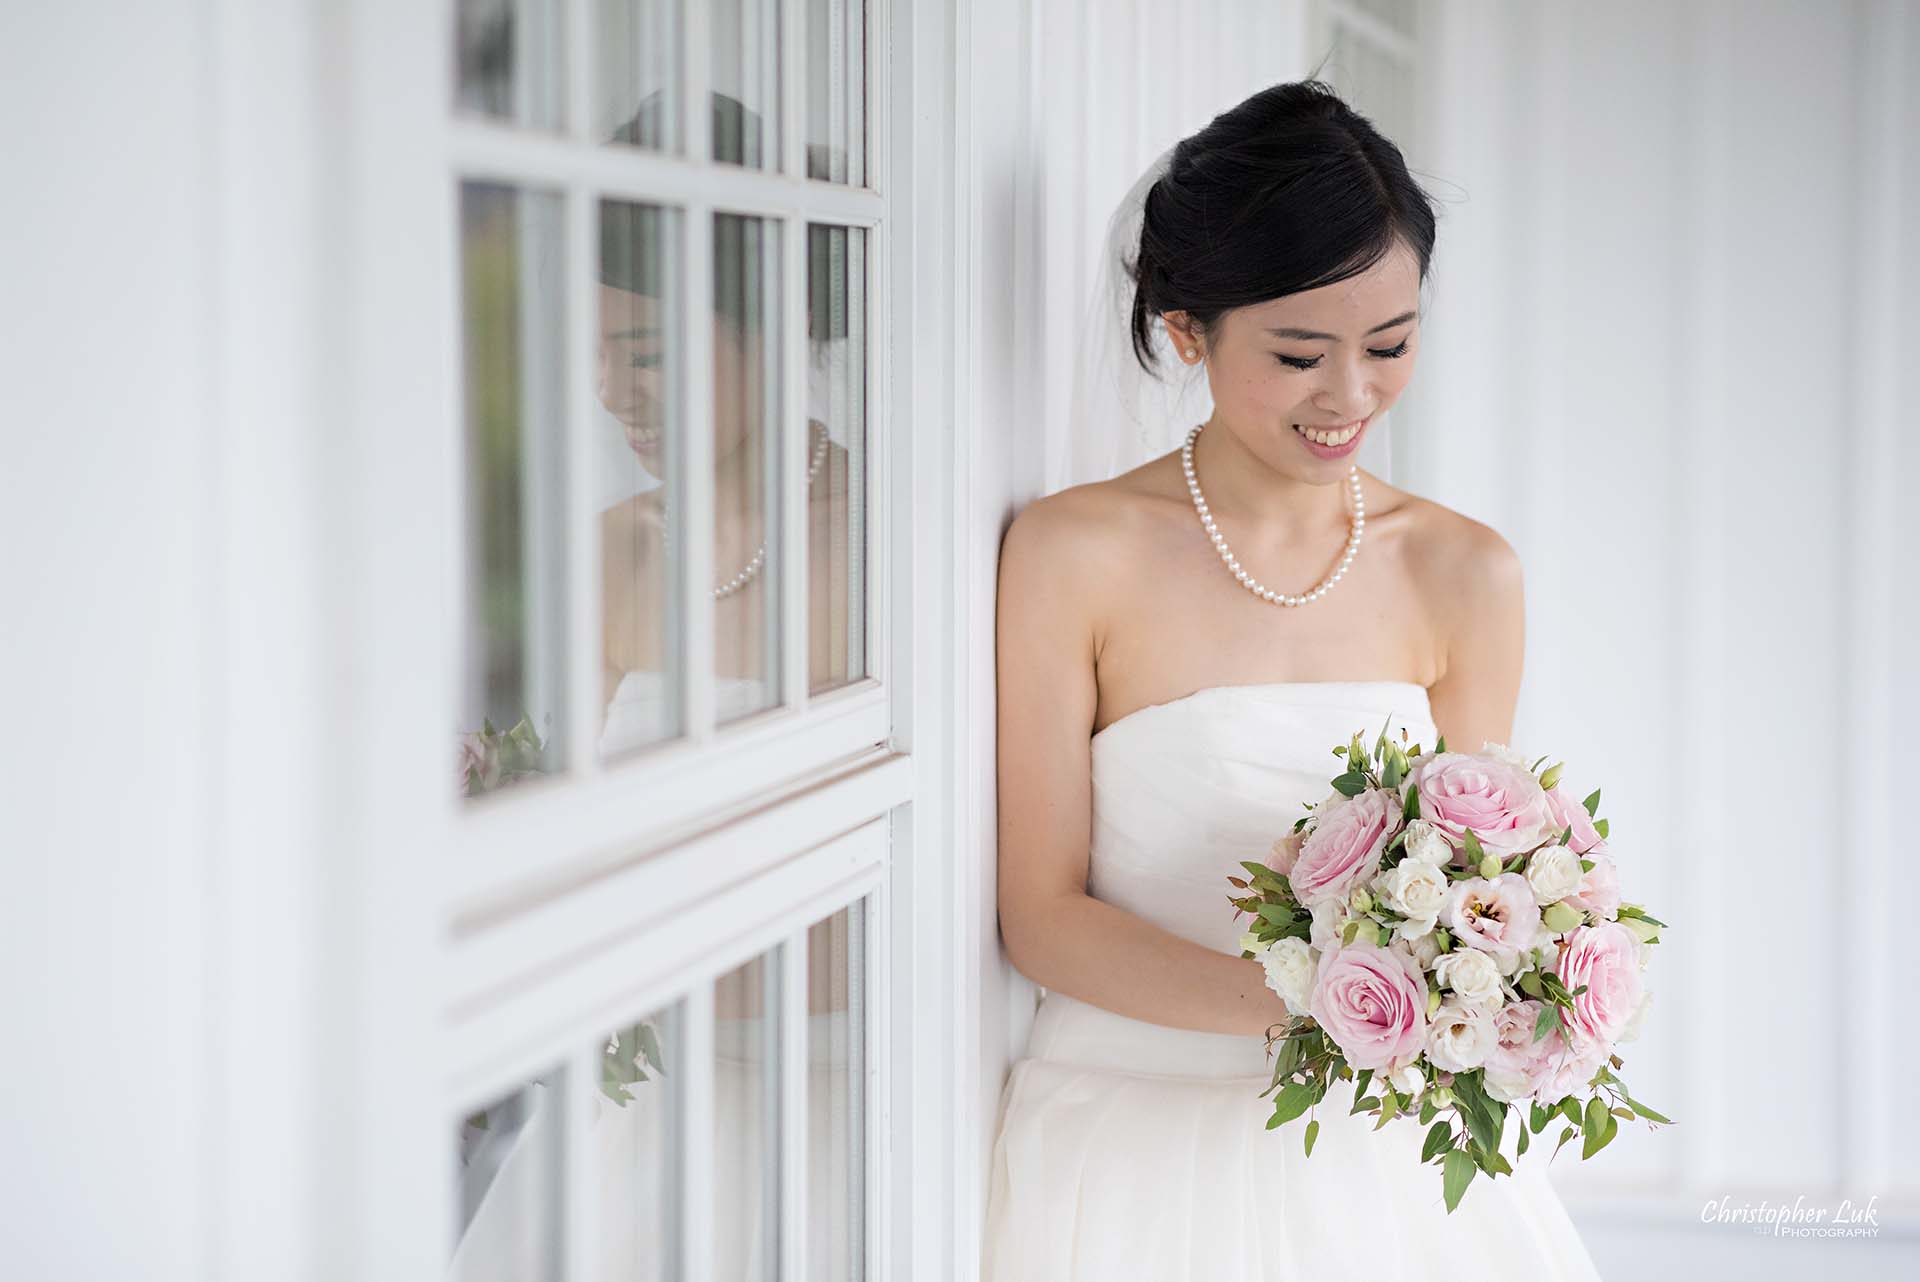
{"points": [[1178, 648]]}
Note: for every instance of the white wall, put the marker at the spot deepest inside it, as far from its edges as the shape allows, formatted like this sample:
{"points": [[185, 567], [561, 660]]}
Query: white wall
{"points": [[1664, 359]]}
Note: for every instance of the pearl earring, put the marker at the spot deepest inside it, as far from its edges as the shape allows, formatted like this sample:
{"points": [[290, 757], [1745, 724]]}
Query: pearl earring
{"points": [[1191, 353]]}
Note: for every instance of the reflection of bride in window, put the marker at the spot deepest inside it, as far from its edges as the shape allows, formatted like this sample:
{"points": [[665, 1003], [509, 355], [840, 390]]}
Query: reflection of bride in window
{"points": [[637, 355], [509, 1208]]}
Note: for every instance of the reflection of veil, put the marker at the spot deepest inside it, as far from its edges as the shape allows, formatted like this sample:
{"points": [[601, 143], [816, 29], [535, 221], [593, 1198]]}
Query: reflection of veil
{"points": [[1120, 416]]}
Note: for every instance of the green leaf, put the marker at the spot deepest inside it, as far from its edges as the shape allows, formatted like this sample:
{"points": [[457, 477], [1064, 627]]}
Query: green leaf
{"points": [[1570, 1110], [1440, 744], [1459, 1173], [1609, 1127], [1412, 808], [1475, 852], [1544, 1025], [1361, 1082], [1600, 826], [1350, 784], [1278, 914], [1428, 1110], [1293, 1100], [1539, 1118], [1520, 1138], [1592, 803], [1438, 1138], [1566, 1133], [1313, 1133], [1643, 1110]]}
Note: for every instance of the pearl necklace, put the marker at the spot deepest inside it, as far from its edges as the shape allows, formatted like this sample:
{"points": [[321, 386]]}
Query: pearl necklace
{"points": [[752, 568], [1356, 524]]}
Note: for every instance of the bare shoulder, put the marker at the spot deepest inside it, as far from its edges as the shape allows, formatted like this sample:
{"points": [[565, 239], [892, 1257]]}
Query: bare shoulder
{"points": [[1456, 558], [1085, 531]]}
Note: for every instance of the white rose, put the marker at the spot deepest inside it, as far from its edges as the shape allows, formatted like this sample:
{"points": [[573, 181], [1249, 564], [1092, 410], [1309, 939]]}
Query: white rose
{"points": [[1459, 1037], [1407, 1080], [1426, 950], [1426, 844], [1414, 889], [1554, 872], [1329, 917], [1501, 752], [1474, 977], [1632, 1028], [1414, 929], [1289, 964], [1506, 1085]]}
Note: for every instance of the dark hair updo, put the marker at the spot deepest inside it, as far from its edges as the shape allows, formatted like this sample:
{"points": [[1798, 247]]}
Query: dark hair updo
{"points": [[1290, 190]]}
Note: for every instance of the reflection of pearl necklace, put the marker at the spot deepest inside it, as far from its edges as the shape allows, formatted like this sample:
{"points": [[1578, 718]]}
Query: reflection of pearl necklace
{"points": [[1356, 523], [752, 567]]}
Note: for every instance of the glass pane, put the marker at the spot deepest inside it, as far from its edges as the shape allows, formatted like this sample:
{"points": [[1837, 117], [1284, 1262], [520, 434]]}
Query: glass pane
{"points": [[512, 692], [640, 1145], [507, 1169], [836, 1095], [746, 1122], [745, 38], [746, 551], [636, 97], [507, 60], [837, 91], [837, 455], [638, 446]]}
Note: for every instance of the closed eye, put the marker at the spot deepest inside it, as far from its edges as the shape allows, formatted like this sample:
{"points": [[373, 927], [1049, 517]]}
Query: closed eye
{"points": [[1387, 354]]}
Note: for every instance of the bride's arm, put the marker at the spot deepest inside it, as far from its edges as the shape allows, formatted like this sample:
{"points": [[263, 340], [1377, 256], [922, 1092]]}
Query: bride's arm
{"points": [[1051, 566], [1477, 587]]}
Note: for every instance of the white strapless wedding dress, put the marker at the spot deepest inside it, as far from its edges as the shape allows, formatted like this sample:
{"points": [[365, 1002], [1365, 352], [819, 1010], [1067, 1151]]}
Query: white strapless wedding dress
{"points": [[1135, 1150]]}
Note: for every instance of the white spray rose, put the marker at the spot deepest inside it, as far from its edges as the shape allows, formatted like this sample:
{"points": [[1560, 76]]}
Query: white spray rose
{"points": [[1501, 752], [1554, 872], [1329, 917], [1289, 964], [1407, 1080], [1459, 1037], [1632, 1028], [1426, 844], [1426, 950], [1415, 890], [1474, 977]]}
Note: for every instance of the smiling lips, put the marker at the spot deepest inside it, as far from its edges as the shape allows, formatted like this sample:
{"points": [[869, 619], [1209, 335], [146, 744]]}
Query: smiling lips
{"points": [[1334, 436]]}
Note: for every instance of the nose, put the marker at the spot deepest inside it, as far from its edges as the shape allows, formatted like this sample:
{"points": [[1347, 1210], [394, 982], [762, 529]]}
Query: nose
{"points": [[1349, 394]]}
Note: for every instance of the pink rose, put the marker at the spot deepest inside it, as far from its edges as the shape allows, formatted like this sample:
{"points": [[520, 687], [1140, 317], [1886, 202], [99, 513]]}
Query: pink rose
{"points": [[1565, 810], [1373, 1002], [1606, 958], [1498, 915], [1343, 850], [1285, 851], [1570, 1066], [1517, 1064], [1503, 803], [1599, 890]]}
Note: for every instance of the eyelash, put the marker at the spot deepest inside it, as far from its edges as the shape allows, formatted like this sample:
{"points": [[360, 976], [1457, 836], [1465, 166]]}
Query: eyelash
{"points": [[1390, 353]]}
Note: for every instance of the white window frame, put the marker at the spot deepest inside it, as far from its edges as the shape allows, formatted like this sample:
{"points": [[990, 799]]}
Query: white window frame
{"points": [[420, 963]]}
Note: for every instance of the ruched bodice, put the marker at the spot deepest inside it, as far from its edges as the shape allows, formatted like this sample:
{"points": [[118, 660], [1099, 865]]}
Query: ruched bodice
{"points": [[1185, 790]]}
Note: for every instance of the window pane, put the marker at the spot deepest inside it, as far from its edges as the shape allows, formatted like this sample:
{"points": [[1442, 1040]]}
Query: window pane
{"points": [[836, 1095], [746, 1109], [745, 38], [837, 91], [511, 330], [638, 446], [636, 88], [507, 60], [640, 1145], [747, 556], [507, 1169], [837, 457]]}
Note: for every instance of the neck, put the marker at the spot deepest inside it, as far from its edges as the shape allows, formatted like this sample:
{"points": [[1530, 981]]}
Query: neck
{"points": [[1243, 487]]}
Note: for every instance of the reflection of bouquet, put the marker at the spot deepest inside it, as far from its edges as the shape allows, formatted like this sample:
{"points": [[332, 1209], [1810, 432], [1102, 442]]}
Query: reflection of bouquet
{"points": [[491, 759], [1449, 926], [620, 1062]]}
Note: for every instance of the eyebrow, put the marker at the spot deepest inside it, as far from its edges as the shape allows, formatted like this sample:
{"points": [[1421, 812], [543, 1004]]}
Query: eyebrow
{"points": [[1287, 331]]}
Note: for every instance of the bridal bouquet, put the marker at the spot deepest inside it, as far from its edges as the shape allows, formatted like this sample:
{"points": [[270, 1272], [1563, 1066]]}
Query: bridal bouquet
{"points": [[1447, 930]]}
